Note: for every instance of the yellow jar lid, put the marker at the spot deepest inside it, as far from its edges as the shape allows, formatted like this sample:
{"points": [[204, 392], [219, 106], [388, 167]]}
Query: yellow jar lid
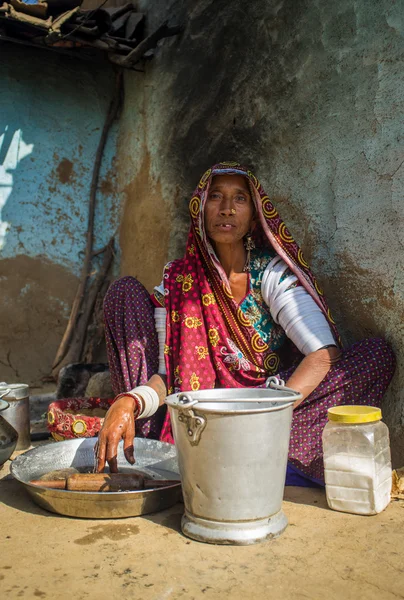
{"points": [[354, 414]]}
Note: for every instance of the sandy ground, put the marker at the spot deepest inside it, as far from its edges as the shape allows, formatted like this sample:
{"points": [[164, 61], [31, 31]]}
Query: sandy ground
{"points": [[322, 554]]}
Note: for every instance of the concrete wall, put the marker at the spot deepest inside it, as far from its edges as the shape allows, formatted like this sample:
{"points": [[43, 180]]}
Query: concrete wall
{"points": [[311, 95], [52, 110]]}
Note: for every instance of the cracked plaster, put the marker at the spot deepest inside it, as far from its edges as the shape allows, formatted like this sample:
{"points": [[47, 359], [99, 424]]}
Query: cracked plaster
{"points": [[52, 111], [310, 95]]}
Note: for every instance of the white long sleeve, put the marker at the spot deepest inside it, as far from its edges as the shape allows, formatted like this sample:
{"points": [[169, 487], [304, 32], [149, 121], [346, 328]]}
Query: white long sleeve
{"points": [[294, 309], [160, 320]]}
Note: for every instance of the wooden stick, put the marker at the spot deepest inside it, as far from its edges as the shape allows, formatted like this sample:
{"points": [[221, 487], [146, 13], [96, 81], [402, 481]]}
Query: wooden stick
{"points": [[75, 351], [86, 269], [147, 44], [104, 482]]}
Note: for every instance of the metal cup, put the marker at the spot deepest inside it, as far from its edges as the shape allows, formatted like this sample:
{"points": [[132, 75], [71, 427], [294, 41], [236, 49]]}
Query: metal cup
{"points": [[17, 414]]}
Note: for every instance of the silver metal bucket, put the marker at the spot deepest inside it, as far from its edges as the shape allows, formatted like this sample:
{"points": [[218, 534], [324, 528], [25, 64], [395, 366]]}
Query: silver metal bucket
{"points": [[232, 447], [17, 414]]}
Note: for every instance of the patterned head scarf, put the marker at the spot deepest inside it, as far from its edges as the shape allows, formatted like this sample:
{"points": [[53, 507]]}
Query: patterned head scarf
{"points": [[210, 341]]}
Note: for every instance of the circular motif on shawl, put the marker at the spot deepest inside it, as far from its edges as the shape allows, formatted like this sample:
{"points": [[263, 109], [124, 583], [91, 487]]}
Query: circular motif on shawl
{"points": [[271, 362], [79, 427], [194, 206], [318, 289], [227, 292], [258, 344], [192, 322], [51, 418], [202, 352], [284, 234], [187, 283], [330, 317], [254, 179], [301, 260], [213, 336], [204, 179], [230, 164], [242, 318], [268, 208], [208, 299], [194, 382]]}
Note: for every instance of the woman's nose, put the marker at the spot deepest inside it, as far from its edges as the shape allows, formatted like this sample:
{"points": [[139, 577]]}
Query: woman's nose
{"points": [[226, 207]]}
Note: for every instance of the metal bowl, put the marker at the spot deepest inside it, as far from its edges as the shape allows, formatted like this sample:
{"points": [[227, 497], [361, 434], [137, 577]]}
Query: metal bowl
{"points": [[157, 460]]}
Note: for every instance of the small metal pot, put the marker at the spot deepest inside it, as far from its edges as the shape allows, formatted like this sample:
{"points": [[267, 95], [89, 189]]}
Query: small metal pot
{"points": [[8, 436], [232, 447], [17, 413]]}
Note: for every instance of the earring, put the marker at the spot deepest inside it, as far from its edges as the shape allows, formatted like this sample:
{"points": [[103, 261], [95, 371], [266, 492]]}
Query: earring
{"points": [[248, 245]]}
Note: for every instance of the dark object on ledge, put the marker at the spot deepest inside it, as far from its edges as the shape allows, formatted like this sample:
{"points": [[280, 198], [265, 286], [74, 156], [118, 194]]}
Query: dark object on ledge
{"points": [[73, 378], [63, 26]]}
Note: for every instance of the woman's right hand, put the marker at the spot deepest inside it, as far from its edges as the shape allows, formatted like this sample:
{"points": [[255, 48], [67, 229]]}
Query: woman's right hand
{"points": [[119, 423]]}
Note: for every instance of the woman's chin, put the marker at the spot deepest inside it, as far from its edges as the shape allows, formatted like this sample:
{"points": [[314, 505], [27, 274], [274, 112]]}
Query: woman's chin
{"points": [[225, 237]]}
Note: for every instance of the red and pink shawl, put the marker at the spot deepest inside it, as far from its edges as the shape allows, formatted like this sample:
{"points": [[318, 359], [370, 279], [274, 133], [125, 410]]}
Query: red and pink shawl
{"points": [[209, 341]]}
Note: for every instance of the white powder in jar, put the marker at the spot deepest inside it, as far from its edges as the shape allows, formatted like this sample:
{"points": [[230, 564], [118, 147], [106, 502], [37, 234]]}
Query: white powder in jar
{"points": [[357, 484]]}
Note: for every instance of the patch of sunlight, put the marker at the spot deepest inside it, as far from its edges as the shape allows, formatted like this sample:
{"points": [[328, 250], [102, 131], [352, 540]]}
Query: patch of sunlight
{"points": [[12, 150]]}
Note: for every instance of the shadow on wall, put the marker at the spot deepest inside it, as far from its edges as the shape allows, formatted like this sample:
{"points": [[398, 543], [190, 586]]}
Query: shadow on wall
{"points": [[309, 95], [53, 109]]}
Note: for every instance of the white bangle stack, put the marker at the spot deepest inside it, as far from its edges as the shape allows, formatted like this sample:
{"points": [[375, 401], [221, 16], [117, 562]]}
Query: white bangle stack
{"points": [[149, 400], [146, 399]]}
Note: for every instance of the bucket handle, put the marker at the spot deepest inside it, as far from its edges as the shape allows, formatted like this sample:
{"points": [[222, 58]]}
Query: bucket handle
{"points": [[194, 423], [4, 393], [185, 401], [275, 383]]}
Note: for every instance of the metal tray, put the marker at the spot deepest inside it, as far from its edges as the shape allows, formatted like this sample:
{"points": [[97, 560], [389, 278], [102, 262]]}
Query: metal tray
{"points": [[156, 459]]}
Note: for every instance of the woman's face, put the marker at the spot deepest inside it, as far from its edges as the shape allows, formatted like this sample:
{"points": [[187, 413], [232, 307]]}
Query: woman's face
{"points": [[229, 209]]}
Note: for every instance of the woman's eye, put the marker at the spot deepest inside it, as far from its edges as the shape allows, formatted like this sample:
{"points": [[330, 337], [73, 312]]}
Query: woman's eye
{"points": [[241, 198], [214, 196]]}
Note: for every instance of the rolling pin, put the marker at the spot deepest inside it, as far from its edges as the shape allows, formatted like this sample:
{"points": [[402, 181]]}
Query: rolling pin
{"points": [[104, 482]]}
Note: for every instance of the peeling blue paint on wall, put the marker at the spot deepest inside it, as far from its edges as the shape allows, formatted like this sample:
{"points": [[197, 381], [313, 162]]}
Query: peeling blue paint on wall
{"points": [[51, 122], [52, 111]]}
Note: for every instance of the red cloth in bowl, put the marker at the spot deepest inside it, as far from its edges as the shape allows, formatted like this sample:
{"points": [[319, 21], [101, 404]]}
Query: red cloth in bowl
{"points": [[66, 426]]}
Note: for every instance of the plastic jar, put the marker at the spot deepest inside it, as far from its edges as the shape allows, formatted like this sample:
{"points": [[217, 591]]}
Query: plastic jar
{"points": [[357, 462]]}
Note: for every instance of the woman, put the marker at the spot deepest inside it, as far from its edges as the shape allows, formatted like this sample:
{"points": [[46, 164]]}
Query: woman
{"points": [[240, 306]]}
